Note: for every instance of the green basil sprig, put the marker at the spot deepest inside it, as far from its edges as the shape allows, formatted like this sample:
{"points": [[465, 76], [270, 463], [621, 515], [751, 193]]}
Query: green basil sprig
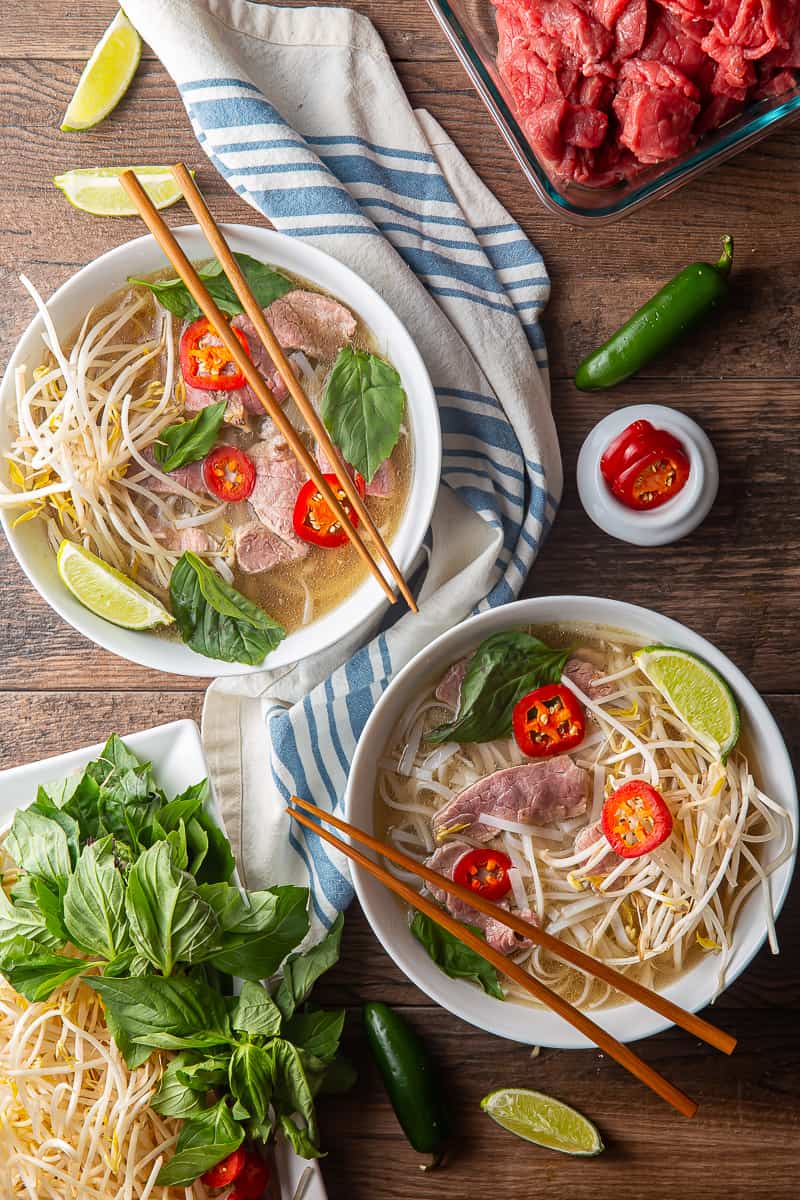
{"points": [[266, 284], [363, 409], [189, 441], [217, 620], [455, 959], [504, 668]]}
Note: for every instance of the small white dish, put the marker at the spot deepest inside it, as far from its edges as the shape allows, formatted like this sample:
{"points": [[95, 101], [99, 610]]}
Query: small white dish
{"points": [[673, 520], [627, 1021], [142, 256], [176, 752]]}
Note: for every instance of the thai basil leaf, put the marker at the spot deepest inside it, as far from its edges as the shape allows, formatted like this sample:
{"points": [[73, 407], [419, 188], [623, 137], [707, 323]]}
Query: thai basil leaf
{"points": [[197, 846], [23, 921], [250, 1078], [82, 802], [317, 1033], [22, 893], [204, 1141], [363, 409], [455, 959], [175, 1098], [94, 902], [216, 620], [292, 1092], [45, 807], [40, 846], [189, 441], [298, 1138], [205, 1073], [35, 972], [266, 284], [50, 903], [169, 921], [255, 942], [301, 971], [158, 1013], [218, 865], [255, 1012], [183, 807], [504, 668]]}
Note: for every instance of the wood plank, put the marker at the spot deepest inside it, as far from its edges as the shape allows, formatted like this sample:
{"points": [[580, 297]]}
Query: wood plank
{"points": [[756, 336], [747, 1121]]}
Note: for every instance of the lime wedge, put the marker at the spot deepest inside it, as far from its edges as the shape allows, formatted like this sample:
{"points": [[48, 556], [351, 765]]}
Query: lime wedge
{"points": [[106, 591], [542, 1120], [106, 76], [98, 190], [697, 693]]}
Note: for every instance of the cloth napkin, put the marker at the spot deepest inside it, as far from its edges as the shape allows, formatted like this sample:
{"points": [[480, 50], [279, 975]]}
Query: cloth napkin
{"points": [[301, 112]]}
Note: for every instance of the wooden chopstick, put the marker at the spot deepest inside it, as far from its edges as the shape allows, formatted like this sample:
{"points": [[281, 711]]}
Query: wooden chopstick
{"points": [[200, 294], [585, 1025], [584, 962], [230, 266]]}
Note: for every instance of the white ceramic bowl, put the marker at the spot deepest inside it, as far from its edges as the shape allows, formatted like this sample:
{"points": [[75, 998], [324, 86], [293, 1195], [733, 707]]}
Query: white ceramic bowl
{"points": [[628, 1022], [141, 257]]}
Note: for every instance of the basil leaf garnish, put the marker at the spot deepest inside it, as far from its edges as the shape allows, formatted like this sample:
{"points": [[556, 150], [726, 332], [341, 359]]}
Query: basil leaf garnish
{"points": [[363, 409], [189, 441], [169, 921], [455, 959], [94, 902], [504, 668], [266, 284], [203, 1141], [216, 620]]}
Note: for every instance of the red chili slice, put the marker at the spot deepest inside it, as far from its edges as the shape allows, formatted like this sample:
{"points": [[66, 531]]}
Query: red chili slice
{"points": [[226, 1171], [484, 872], [635, 819], [314, 520], [205, 363], [229, 473], [252, 1182], [611, 462], [549, 720], [654, 478]]}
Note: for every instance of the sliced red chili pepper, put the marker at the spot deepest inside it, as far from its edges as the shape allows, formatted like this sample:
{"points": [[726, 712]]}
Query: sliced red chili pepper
{"points": [[485, 872], [611, 462], [654, 478], [635, 819], [549, 720], [205, 362], [226, 1171], [252, 1182], [229, 473], [313, 519]]}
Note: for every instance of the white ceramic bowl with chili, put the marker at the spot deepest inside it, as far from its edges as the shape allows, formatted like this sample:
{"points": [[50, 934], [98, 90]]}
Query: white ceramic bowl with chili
{"points": [[627, 1021], [142, 257]]}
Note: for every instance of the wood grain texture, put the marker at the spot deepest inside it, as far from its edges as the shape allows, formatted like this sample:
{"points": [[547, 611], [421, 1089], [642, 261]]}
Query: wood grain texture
{"points": [[735, 581]]}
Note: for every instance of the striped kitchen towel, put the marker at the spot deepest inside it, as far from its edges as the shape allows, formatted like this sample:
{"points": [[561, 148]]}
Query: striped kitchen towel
{"points": [[301, 112]]}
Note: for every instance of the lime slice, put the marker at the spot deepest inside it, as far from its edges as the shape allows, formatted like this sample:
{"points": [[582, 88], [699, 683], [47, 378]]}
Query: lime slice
{"points": [[98, 189], [106, 76], [106, 591], [696, 692], [542, 1120]]}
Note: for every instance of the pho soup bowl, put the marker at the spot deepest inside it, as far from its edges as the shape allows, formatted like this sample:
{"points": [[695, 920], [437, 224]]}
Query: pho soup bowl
{"points": [[627, 1021], [141, 257]]}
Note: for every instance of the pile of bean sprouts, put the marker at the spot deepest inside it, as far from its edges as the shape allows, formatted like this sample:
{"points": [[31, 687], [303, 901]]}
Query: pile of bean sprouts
{"points": [[84, 420], [75, 1123], [649, 917]]}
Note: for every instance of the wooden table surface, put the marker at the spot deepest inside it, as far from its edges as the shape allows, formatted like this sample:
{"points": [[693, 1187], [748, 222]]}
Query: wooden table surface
{"points": [[735, 581]]}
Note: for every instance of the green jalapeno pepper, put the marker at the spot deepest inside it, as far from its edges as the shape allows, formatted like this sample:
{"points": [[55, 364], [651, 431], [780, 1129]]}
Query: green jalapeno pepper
{"points": [[410, 1080], [677, 308]]}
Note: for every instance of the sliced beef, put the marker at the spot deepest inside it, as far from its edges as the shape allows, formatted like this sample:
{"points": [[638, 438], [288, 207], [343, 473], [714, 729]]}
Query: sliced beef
{"points": [[190, 476], [497, 935], [279, 478], [448, 690], [589, 836], [583, 675], [311, 322], [533, 794], [259, 548], [235, 410], [265, 365], [656, 106], [194, 538]]}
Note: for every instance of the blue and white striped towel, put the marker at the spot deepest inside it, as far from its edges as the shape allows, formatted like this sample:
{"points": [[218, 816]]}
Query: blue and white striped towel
{"points": [[301, 111]]}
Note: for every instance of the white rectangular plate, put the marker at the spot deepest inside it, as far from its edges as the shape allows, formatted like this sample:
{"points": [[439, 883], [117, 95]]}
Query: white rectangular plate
{"points": [[176, 752]]}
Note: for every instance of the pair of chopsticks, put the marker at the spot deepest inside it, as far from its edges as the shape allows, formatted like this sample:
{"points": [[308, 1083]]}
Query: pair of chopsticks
{"points": [[208, 307], [636, 991]]}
